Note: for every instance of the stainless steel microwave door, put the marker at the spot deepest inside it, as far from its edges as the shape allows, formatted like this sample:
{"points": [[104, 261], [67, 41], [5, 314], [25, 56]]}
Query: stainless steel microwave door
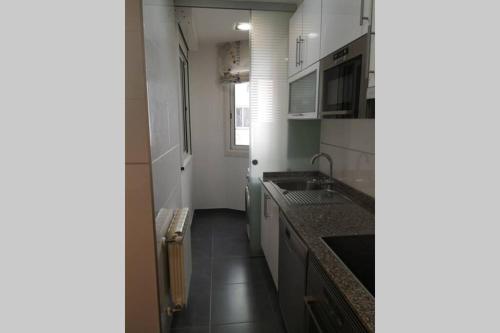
{"points": [[343, 81]]}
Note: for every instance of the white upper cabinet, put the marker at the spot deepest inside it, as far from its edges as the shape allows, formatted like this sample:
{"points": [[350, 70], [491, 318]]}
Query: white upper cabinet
{"points": [[371, 74], [342, 22], [311, 32], [295, 31], [304, 36]]}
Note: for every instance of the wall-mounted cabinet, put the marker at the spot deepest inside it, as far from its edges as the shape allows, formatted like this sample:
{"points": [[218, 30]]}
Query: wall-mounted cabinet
{"points": [[343, 21], [303, 93], [318, 29], [295, 31], [371, 73], [304, 36]]}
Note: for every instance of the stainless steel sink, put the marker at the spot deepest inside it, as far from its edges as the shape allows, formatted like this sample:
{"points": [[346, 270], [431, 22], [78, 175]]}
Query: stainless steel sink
{"points": [[309, 192], [314, 197]]}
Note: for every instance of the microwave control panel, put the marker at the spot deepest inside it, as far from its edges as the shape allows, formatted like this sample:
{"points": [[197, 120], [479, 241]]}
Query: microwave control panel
{"points": [[340, 55]]}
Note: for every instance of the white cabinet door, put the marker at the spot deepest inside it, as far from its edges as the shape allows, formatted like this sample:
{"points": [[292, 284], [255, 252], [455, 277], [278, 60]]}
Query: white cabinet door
{"points": [[367, 15], [294, 32], [342, 22], [372, 15], [311, 32], [371, 73]]}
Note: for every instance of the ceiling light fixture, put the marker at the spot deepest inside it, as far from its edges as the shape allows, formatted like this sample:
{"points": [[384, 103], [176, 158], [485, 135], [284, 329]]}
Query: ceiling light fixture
{"points": [[242, 26]]}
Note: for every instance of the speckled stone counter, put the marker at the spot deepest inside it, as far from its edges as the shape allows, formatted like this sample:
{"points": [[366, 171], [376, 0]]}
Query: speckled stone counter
{"points": [[312, 222]]}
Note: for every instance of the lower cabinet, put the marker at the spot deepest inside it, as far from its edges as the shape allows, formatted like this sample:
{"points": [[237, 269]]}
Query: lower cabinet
{"points": [[269, 233]]}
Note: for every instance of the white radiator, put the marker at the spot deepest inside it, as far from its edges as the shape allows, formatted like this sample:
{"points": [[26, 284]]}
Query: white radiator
{"points": [[178, 243]]}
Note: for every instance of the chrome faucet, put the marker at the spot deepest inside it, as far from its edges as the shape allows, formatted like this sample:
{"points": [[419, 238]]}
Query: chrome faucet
{"points": [[318, 155]]}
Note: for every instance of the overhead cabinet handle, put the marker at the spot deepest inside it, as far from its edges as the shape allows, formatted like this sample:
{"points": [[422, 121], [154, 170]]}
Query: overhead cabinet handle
{"points": [[300, 50], [296, 52]]}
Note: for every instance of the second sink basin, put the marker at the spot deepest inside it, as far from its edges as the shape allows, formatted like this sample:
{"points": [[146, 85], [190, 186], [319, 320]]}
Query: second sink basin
{"points": [[357, 252]]}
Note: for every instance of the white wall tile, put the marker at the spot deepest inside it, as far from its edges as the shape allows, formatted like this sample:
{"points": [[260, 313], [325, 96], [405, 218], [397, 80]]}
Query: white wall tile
{"points": [[187, 185], [354, 134], [163, 77], [166, 177], [356, 169], [163, 83]]}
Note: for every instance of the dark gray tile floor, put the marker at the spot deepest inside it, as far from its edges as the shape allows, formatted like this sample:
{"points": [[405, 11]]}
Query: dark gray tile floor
{"points": [[231, 291]]}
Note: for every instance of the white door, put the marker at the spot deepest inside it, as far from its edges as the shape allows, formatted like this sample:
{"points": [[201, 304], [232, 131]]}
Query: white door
{"points": [[268, 107], [268, 93], [311, 32], [295, 30], [342, 22]]}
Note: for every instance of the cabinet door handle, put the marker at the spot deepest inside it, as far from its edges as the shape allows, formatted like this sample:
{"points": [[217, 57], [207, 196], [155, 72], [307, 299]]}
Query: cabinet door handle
{"points": [[308, 300], [296, 52], [266, 197], [300, 50], [362, 16], [247, 198], [334, 312]]}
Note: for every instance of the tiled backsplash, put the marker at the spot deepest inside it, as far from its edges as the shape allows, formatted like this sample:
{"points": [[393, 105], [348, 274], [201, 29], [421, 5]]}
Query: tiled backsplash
{"points": [[351, 144]]}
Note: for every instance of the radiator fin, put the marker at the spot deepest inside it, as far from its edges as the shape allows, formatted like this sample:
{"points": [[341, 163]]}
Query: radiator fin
{"points": [[179, 257]]}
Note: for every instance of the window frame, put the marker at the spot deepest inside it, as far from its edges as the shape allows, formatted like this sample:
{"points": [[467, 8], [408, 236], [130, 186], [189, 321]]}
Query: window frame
{"points": [[232, 149], [185, 104]]}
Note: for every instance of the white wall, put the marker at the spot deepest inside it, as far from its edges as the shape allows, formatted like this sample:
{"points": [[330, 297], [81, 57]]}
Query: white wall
{"points": [[171, 189], [351, 144], [218, 180], [163, 85]]}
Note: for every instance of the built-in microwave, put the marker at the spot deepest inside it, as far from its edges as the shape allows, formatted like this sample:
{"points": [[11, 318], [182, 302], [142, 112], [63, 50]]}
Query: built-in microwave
{"points": [[343, 82], [303, 93]]}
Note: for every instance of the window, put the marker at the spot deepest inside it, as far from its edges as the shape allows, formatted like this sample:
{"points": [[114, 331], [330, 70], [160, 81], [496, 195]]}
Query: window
{"points": [[186, 117], [240, 116]]}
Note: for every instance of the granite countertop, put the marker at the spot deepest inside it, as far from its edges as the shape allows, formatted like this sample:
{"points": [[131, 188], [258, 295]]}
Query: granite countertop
{"points": [[312, 222]]}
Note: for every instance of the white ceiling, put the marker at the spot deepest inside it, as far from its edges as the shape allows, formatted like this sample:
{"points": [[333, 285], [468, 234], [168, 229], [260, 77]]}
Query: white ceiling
{"points": [[216, 25], [280, 1]]}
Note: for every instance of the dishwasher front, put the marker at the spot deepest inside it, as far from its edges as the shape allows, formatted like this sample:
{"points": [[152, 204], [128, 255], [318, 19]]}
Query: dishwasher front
{"points": [[291, 277]]}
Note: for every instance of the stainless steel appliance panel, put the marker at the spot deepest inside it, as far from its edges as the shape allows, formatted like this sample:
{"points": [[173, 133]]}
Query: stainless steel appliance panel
{"points": [[343, 81]]}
